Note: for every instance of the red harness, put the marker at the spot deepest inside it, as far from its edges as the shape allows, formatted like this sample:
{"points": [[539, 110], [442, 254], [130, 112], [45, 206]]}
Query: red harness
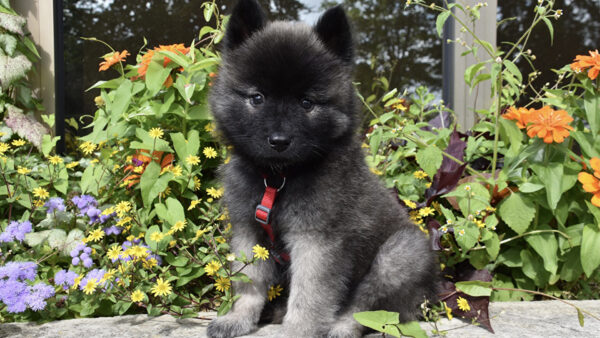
{"points": [[263, 216]]}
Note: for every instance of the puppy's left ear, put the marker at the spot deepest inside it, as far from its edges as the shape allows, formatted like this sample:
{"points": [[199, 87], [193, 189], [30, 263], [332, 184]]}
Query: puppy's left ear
{"points": [[246, 18], [334, 31]]}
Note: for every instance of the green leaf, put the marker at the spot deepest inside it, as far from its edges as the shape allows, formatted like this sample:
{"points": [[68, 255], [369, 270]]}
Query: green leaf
{"points": [[511, 135], [533, 268], [150, 183], [466, 235], [36, 238], [121, 100], [175, 210], [550, 29], [475, 288], [517, 212], [178, 58], [492, 245], [441, 19], [177, 261], [513, 69], [48, 143], [199, 112], [546, 245], [379, 320], [57, 238], [552, 176], [156, 75], [73, 239], [430, 159], [595, 211], [529, 187], [8, 43], [412, 329], [389, 95], [580, 316], [150, 143], [590, 247], [471, 71], [591, 103]]}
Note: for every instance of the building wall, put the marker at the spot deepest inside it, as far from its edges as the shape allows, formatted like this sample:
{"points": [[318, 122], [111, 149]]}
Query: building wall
{"points": [[40, 23]]}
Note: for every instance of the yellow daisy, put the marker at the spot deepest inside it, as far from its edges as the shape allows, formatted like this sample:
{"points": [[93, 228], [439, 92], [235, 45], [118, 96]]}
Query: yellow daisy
{"points": [[19, 142], [162, 288], [23, 170], [274, 292], [260, 252], [96, 235], [41, 193], [90, 286], [215, 193], [178, 226], [4, 147], [55, 159], [463, 304], [410, 204], [72, 165], [212, 267], [114, 252], [87, 147], [157, 236], [176, 170], [156, 133], [193, 204], [137, 296], [427, 211], [192, 160], [209, 152], [197, 183], [122, 208], [420, 174], [222, 284]]}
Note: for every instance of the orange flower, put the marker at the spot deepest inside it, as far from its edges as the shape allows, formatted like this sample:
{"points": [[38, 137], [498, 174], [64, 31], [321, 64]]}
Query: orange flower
{"points": [[141, 160], [520, 115], [549, 124], [146, 58], [591, 183], [112, 58], [582, 62]]}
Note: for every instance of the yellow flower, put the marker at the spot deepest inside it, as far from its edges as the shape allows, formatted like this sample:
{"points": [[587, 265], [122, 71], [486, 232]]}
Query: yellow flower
{"points": [[157, 236], [165, 192], [90, 286], [137, 296], [179, 225], [274, 292], [212, 267], [123, 221], [196, 183], [138, 251], [427, 211], [209, 127], [76, 281], [176, 170], [87, 147], [420, 174], [463, 304], [150, 263], [72, 165], [448, 311], [107, 211], [122, 208], [4, 147], [23, 170], [114, 252], [209, 152], [410, 204], [19, 142], [96, 235], [162, 288], [480, 223], [193, 204], [38, 203], [461, 232], [55, 159], [156, 133], [216, 193], [260, 252], [222, 284], [192, 160], [108, 275], [376, 171], [467, 187], [41, 193]]}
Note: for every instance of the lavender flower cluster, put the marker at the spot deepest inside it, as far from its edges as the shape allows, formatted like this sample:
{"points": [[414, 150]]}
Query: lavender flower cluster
{"points": [[55, 203], [87, 206], [96, 274], [81, 254], [65, 278], [16, 293], [15, 230]]}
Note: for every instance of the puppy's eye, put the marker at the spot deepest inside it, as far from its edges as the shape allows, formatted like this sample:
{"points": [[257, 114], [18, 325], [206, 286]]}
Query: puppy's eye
{"points": [[257, 99], [306, 104]]}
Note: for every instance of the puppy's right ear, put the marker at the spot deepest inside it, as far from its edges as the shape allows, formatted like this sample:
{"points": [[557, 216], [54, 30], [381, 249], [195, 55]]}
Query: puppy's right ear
{"points": [[246, 18]]}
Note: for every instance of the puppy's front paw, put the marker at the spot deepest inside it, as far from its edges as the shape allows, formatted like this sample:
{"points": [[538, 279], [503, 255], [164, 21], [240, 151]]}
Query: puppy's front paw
{"points": [[230, 326], [345, 329]]}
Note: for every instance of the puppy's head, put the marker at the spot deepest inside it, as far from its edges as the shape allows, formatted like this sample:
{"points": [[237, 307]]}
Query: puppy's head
{"points": [[283, 95]]}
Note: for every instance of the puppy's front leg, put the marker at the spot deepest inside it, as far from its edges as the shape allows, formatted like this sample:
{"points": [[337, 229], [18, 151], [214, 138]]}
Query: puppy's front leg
{"points": [[244, 316], [315, 297]]}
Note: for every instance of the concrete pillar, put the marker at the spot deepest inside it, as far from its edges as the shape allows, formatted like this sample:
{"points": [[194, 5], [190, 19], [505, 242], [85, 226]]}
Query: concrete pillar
{"points": [[457, 95]]}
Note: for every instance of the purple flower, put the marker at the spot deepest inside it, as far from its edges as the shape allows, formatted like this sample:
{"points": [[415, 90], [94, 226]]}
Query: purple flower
{"points": [[94, 214], [16, 230], [136, 162], [19, 271], [113, 230], [84, 201], [13, 293], [65, 278], [97, 274], [36, 299], [81, 254], [55, 203]]}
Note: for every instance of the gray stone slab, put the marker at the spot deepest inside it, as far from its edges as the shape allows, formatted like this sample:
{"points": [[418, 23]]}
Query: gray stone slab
{"points": [[511, 319]]}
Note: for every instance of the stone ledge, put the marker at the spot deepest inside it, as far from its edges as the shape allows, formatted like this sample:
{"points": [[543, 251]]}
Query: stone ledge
{"points": [[510, 319]]}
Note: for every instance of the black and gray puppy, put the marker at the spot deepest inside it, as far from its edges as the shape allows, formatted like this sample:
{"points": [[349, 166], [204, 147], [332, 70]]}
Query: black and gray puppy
{"points": [[284, 100]]}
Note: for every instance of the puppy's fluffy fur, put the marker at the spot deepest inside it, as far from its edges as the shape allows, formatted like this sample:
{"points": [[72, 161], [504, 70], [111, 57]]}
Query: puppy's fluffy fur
{"points": [[352, 247]]}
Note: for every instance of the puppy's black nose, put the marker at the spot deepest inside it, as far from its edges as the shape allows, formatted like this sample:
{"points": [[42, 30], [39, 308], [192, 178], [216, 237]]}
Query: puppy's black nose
{"points": [[279, 142]]}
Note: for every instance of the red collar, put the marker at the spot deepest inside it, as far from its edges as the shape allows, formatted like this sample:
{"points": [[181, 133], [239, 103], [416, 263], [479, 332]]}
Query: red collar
{"points": [[263, 216]]}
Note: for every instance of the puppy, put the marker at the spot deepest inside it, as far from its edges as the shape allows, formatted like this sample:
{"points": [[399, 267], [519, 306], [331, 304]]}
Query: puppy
{"points": [[339, 241]]}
